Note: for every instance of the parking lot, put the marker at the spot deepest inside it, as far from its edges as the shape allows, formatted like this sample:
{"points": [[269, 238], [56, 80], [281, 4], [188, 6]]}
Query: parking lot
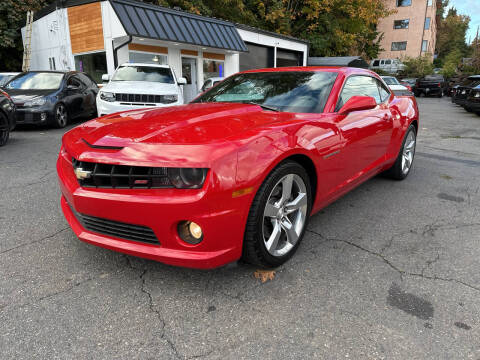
{"points": [[390, 271]]}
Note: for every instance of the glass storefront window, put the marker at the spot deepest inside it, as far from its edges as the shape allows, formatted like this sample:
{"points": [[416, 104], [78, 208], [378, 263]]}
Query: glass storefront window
{"points": [[147, 58], [94, 64], [212, 68]]}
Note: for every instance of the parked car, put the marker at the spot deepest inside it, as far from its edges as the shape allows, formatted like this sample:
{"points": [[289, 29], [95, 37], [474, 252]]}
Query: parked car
{"points": [[461, 92], [7, 117], [6, 76], [391, 66], [237, 172], [137, 86], [396, 87], [410, 82], [52, 97], [431, 85], [473, 100], [211, 82]]}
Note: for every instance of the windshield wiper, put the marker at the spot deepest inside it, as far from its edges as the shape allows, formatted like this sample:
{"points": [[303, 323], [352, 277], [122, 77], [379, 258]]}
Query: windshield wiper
{"points": [[265, 107]]}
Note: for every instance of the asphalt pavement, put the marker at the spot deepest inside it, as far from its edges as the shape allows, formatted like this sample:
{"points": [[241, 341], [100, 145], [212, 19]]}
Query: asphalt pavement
{"points": [[389, 271]]}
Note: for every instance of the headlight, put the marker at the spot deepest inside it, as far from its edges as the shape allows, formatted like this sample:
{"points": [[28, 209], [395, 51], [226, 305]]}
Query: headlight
{"points": [[107, 96], [477, 94], [35, 102], [187, 178], [168, 99]]}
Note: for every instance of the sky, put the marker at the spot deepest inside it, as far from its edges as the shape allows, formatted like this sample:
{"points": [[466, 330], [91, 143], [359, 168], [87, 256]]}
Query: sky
{"points": [[472, 9]]}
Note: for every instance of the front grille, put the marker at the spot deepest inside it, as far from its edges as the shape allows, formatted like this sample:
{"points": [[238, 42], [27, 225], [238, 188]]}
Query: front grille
{"points": [[143, 98], [98, 175], [118, 229]]}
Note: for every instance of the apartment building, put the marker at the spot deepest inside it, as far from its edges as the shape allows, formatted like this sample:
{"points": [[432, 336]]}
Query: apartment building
{"points": [[410, 31]]}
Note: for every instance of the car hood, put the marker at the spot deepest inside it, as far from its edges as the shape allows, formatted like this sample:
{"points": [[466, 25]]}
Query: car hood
{"points": [[140, 87], [194, 132], [21, 96]]}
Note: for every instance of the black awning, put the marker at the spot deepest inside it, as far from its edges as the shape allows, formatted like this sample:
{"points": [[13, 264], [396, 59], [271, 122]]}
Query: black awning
{"points": [[156, 22]]}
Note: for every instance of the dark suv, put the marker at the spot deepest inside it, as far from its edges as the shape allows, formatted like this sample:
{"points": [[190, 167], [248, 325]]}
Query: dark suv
{"points": [[461, 92], [431, 85]]}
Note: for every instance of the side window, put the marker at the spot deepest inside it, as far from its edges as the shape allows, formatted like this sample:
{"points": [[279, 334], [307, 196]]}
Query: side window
{"points": [[73, 80], [384, 92], [388, 62], [376, 63], [358, 86], [87, 80]]}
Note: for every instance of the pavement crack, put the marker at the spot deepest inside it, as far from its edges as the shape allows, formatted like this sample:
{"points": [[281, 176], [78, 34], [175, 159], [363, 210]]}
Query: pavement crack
{"points": [[428, 263], [34, 241], [401, 271], [151, 305]]}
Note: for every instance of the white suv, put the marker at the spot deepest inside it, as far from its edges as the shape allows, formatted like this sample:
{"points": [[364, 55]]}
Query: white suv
{"points": [[138, 86]]}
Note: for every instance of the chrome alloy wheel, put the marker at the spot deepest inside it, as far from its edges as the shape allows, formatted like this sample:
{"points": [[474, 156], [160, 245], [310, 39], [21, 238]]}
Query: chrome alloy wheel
{"points": [[285, 215], [61, 115], [408, 152]]}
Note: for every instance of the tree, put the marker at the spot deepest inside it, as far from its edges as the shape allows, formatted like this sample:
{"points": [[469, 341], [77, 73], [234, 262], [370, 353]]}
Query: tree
{"points": [[12, 18], [451, 35], [417, 67]]}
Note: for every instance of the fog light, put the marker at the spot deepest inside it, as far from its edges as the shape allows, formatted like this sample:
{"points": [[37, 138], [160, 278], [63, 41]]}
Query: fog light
{"points": [[43, 116], [190, 232]]}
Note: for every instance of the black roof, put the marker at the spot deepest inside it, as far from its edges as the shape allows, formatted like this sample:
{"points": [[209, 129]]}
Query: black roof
{"points": [[156, 22]]}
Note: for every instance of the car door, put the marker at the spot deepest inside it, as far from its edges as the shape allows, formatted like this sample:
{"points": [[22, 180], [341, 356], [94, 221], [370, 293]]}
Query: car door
{"points": [[74, 96], [365, 134], [89, 95]]}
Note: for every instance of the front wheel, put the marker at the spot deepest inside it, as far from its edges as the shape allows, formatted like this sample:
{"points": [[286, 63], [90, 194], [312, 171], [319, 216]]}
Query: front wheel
{"points": [[4, 129], [278, 216], [402, 166], [60, 116]]}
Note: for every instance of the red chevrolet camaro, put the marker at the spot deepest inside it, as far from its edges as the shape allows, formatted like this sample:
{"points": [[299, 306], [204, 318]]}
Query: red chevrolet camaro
{"points": [[238, 172]]}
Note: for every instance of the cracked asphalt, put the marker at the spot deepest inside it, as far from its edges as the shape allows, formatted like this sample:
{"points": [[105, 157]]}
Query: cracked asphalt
{"points": [[390, 271]]}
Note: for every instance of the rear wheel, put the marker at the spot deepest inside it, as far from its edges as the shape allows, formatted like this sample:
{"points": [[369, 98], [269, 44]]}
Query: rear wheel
{"points": [[278, 216], [60, 116], [4, 129]]}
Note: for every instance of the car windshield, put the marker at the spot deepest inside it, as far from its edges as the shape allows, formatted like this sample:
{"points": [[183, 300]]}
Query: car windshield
{"points": [[144, 73], [289, 91], [36, 81], [434, 78], [391, 81]]}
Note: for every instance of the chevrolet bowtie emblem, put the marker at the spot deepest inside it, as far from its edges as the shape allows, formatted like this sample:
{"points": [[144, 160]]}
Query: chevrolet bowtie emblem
{"points": [[82, 174]]}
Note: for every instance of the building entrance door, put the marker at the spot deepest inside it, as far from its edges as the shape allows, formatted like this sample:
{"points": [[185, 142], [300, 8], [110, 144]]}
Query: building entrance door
{"points": [[189, 72]]}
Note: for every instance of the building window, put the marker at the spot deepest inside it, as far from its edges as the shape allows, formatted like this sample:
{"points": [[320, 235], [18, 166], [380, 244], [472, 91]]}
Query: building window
{"points": [[424, 45], [147, 58], [429, 3], [51, 62], [399, 46], [401, 24], [404, 3], [94, 64], [427, 23], [212, 68]]}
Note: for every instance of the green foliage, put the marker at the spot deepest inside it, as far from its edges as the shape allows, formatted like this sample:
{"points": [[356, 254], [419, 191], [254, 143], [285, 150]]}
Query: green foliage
{"points": [[417, 67], [451, 35], [451, 63], [12, 18]]}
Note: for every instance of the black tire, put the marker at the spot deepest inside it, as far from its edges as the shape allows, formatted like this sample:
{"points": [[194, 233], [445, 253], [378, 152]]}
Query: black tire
{"points": [[254, 248], [440, 95], [4, 129], [468, 109], [60, 116], [396, 171]]}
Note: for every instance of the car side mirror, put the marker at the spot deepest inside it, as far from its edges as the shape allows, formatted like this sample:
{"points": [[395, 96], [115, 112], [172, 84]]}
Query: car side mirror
{"points": [[358, 103], [182, 81], [72, 88], [105, 78]]}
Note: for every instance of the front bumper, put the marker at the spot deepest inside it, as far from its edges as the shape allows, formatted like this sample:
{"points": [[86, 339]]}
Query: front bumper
{"points": [[106, 107], [34, 115], [221, 217], [473, 104]]}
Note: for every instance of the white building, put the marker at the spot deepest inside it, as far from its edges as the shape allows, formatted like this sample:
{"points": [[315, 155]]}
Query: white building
{"points": [[96, 36]]}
